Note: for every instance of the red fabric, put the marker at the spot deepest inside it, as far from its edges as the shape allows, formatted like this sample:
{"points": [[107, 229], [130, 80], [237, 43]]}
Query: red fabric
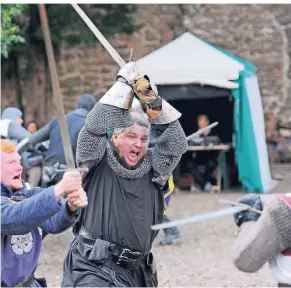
{"points": [[287, 199], [287, 252]]}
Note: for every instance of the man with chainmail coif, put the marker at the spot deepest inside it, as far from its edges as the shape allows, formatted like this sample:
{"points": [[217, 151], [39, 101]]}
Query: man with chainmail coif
{"points": [[124, 185], [265, 237]]}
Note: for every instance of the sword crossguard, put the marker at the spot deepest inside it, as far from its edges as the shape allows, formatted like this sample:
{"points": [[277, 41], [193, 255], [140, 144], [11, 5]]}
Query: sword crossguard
{"points": [[83, 169]]}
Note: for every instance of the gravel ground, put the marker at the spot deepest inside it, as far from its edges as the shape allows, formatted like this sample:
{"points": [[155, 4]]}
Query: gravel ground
{"points": [[201, 257]]}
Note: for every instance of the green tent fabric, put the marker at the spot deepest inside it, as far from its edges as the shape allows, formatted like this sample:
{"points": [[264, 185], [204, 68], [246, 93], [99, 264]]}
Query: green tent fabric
{"points": [[251, 154]]}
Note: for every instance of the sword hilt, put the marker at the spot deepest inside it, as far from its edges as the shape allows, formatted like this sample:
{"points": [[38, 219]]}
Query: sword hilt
{"points": [[83, 169], [223, 201]]}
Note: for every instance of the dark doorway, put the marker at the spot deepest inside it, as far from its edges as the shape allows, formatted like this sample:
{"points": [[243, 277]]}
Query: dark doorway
{"points": [[217, 104]]}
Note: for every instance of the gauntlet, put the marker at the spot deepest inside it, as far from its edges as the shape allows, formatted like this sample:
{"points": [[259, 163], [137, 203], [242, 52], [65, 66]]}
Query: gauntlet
{"points": [[150, 100]]}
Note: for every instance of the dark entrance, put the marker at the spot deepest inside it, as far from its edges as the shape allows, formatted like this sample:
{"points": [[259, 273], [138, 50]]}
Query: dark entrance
{"points": [[217, 104]]}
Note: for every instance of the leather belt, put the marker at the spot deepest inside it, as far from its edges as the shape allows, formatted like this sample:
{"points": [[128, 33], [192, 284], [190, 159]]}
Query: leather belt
{"points": [[122, 256], [284, 285]]}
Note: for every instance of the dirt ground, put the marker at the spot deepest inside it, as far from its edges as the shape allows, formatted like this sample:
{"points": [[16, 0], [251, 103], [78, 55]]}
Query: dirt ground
{"points": [[201, 257]]}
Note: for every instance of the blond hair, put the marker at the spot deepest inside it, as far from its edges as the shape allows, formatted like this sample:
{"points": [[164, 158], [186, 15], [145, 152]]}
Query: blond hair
{"points": [[7, 146]]}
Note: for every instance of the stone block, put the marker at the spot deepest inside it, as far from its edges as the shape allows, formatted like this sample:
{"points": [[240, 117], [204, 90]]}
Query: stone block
{"points": [[71, 82]]}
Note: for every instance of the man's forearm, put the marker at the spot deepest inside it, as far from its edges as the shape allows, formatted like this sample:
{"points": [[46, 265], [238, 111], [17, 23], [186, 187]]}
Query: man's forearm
{"points": [[258, 242], [29, 214], [170, 144], [62, 220], [92, 138]]}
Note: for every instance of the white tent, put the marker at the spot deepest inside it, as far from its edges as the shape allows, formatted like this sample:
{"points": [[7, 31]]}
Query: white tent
{"points": [[188, 60]]}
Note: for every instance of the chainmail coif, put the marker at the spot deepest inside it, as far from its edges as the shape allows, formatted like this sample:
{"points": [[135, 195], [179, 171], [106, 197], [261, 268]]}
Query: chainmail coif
{"points": [[169, 139]]}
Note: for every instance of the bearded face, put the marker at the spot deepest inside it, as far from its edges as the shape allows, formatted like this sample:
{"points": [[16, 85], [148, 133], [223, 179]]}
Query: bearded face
{"points": [[131, 144]]}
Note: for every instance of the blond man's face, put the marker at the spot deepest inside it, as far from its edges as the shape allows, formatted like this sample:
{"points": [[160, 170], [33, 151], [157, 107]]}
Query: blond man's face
{"points": [[11, 170]]}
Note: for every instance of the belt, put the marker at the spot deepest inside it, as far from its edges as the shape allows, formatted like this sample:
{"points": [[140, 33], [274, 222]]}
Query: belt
{"points": [[124, 257], [23, 284], [284, 285]]}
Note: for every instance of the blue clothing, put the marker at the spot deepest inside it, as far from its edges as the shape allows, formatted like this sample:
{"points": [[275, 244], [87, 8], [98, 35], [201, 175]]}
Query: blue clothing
{"points": [[167, 200], [15, 131], [75, 121], [22, 224]]}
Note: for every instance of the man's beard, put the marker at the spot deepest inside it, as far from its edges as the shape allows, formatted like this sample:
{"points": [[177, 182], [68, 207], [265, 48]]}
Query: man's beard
{"points": [[121, 159]]}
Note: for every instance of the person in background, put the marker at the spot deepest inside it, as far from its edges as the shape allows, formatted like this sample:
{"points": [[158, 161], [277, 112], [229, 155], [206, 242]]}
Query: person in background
{"points": [[28, 212], [273, 139], [32, 126], [11, 128], [32, 160], [55, 158], [208, 159], [10, 125]]}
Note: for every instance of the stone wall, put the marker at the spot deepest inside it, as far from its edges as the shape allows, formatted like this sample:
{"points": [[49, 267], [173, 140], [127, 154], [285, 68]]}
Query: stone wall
{"points": [[260, 34], [92, 69], [254, 33]]}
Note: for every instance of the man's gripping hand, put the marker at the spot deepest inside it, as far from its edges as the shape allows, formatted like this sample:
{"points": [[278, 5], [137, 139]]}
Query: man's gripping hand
{"points": [[71, 181], [149, 99], [77, 199]]}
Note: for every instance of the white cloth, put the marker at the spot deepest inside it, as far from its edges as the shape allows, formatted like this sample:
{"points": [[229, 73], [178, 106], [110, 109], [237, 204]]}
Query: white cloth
{"points": [[4, 127], [281, 268]]}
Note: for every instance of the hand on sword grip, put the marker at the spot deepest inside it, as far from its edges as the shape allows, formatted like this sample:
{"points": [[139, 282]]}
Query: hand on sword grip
{"points": [[71, 182], [143, 90], [148, 96], [77, 199]]}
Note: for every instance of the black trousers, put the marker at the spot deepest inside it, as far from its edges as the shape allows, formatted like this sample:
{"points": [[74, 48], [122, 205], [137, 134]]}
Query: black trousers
{"points": [[201, 178], [82, 268]]}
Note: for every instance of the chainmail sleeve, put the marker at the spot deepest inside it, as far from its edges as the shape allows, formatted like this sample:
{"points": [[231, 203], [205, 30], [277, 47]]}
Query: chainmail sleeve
{"points": [[169, 145], [91, 145], [259, 242]]}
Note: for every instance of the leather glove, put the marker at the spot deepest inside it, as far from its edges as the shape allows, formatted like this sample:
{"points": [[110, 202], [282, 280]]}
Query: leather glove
{"points": [[150, 101], [252, 200]]}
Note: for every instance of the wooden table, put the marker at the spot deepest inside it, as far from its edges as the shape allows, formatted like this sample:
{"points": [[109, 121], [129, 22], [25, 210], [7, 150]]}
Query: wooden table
{"points": [[222, 165]]}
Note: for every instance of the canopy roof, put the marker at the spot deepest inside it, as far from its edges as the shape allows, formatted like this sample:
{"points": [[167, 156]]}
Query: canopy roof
{"points": [[189, 60]]}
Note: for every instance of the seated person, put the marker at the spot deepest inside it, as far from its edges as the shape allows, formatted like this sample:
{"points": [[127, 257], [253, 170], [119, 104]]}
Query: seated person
{"points": [[208, 159], [26, 213]]}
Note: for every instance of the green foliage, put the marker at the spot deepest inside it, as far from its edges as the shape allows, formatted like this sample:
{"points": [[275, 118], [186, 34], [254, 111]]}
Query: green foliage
{"points": [[66, 26], [10, 30], [109, 19]]}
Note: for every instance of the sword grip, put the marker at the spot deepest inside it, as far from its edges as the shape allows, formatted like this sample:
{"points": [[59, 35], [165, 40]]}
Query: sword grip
{"points": [[84, 169]]}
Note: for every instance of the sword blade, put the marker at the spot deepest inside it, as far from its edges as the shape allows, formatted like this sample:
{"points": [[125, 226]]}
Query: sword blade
{"points": [[56, 89], [99, 35], [200, 131], [199, 218]]}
